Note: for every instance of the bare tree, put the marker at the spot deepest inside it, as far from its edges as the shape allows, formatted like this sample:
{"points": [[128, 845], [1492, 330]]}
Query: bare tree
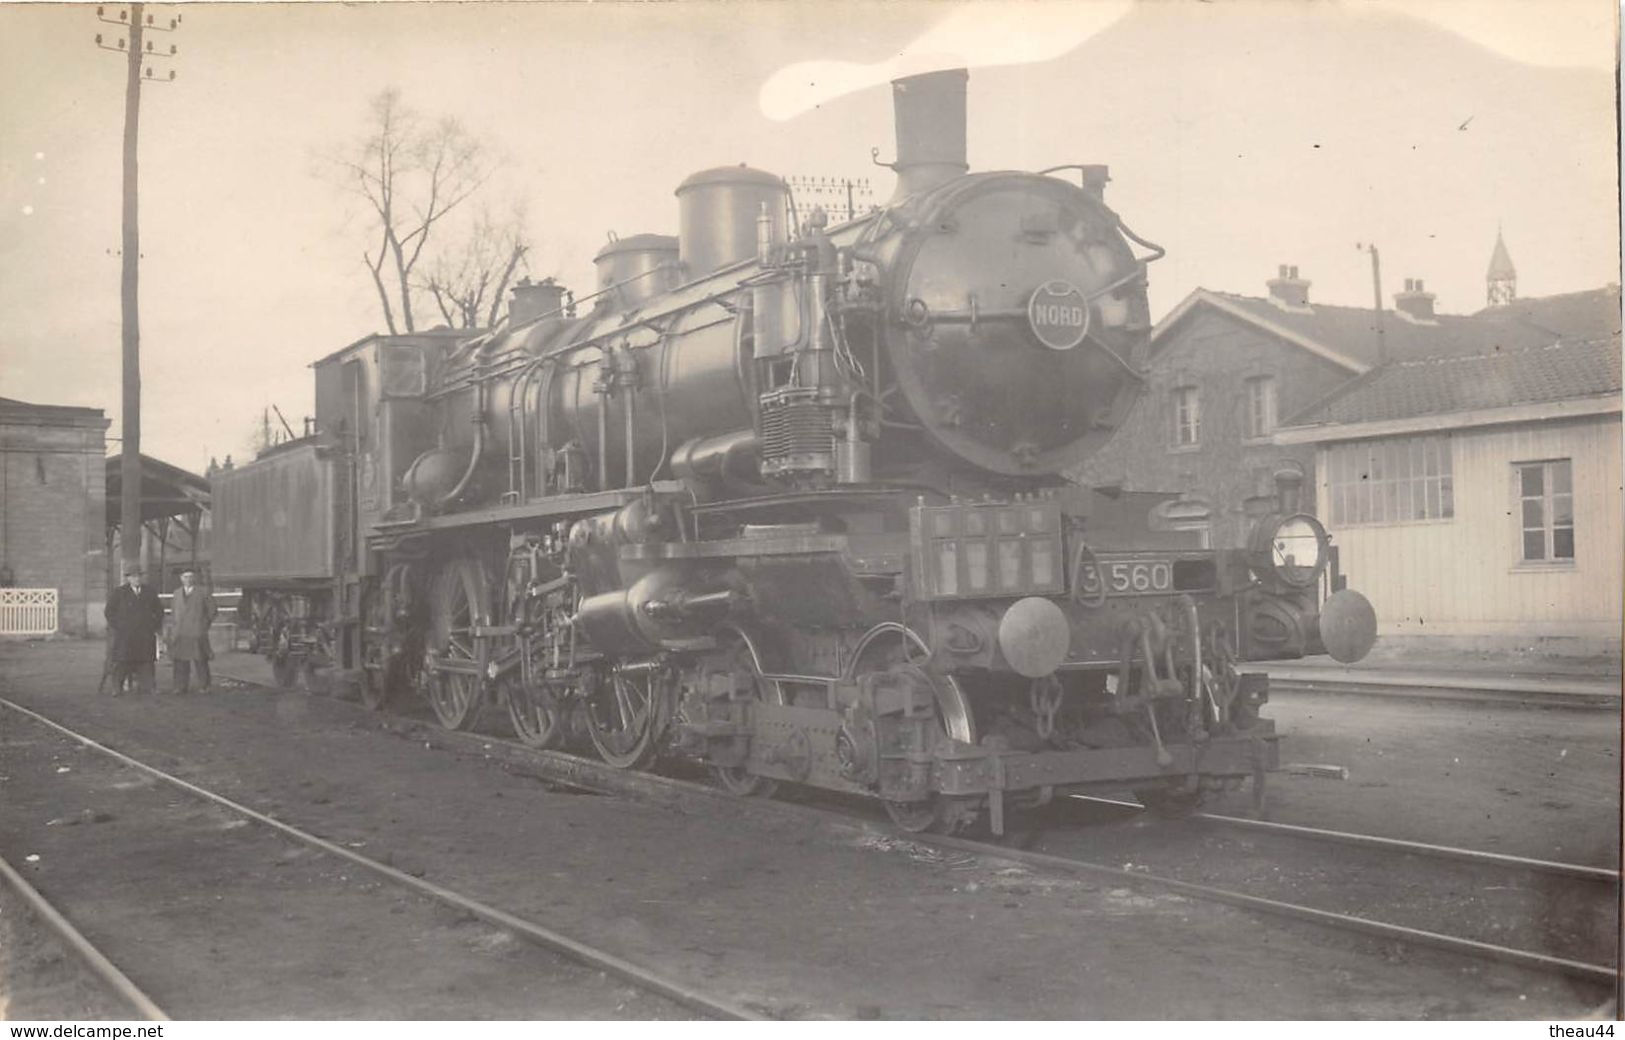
{"points": [[412, 174], [469, 282]]}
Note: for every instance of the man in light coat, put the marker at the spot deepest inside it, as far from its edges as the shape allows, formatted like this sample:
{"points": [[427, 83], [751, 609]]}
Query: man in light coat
{"points": [[191, 613]]}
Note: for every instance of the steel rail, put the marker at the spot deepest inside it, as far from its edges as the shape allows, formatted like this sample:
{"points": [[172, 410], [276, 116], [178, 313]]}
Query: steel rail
{"points": [[1346, 922], [1533, 698], [1544, 866], [542, 936], [585, 773], [93, 959]]}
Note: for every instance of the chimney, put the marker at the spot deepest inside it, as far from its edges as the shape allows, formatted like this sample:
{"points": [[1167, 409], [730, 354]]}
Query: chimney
{"points": [[930, 115], [1415, 304], [534, 300], [1288, 291]]}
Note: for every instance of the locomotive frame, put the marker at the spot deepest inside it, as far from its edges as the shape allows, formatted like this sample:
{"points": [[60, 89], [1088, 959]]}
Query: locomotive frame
{"points": [[789, 502]]}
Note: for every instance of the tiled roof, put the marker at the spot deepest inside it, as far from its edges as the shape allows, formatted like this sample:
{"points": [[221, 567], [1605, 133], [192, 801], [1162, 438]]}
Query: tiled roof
{"points": [[1351, 331], [1411, 389], [1593, 314]]}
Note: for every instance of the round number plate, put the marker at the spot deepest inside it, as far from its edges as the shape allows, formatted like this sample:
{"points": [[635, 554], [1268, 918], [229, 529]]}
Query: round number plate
{"points": [[1059, 315]]}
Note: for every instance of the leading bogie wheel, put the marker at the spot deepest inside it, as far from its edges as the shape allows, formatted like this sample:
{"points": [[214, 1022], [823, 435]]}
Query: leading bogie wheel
{"points": [[955, 719], [538, 719], [457, 603], [624, 712], [742, 783], [737, 659], [939, 814]]}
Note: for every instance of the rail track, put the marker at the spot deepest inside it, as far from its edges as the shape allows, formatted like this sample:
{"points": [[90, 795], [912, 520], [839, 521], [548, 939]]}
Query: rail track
{"points": [[574, 949], [99, 966], [1532, 691], [1598, 886], [1472, 901], [1604, 875]]}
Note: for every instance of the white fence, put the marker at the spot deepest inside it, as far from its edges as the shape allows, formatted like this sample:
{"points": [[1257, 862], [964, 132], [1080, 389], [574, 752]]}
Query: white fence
{"points": [[27, 612]]}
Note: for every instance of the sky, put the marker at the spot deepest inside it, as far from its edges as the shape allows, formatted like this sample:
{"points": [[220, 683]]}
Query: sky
{"points": [[1240, 135]]}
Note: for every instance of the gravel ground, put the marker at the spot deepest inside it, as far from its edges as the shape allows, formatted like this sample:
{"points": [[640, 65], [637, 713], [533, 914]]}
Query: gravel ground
{"points": [[164, 883], [797, 920], [1543, 783]]}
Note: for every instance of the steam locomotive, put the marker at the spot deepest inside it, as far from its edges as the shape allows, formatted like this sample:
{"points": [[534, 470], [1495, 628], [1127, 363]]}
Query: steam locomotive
{"points": [[788, 499]]}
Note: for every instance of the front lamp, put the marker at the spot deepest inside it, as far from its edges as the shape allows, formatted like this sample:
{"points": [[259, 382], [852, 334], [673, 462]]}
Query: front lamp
{"points": [[1292, 549]]}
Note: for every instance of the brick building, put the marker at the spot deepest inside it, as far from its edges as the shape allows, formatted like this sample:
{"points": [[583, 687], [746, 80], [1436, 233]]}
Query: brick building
{"points": [[52, 510], [1225, 368]]}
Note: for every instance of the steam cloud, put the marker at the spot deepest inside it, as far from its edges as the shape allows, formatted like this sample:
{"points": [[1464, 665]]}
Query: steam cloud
{"points": [[978, 35]]}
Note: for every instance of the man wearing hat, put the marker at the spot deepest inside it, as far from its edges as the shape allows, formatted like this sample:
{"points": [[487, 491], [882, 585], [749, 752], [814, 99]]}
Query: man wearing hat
{"points": [[134, 616], [192, 612]]}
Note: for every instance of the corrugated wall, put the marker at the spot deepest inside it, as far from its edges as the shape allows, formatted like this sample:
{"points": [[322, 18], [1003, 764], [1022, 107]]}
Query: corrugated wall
{"points": [[1463, 576]]}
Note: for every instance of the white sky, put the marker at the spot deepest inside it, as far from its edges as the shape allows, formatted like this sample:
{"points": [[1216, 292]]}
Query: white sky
{"points": [[1240, 136]]}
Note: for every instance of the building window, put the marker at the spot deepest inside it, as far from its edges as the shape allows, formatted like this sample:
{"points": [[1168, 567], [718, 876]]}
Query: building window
{"points": [[1395, 480], [1187, 417], [1260, 406], [1546, 509]]}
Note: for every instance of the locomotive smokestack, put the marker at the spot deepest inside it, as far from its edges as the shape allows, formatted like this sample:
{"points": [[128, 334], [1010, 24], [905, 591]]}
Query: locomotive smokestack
{"points": [[930, 112]]}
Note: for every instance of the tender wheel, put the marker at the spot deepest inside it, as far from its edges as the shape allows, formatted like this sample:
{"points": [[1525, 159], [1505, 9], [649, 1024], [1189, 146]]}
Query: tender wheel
{"points": [[537, 720], [310, 681], [379, 673], [285, 670], [1169, 804], [624, 717], [456, 604]]}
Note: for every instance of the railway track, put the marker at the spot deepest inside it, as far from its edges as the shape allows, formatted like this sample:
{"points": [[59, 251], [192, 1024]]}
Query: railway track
{"points": [[694, 1001], [1521, 691], [97, 965], [1540, 914], [1593, 890]]}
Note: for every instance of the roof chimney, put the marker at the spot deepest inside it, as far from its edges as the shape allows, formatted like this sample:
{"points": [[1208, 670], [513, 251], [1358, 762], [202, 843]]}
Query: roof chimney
{"points": [[930, 114], [1288, 291], [1415, 304]]}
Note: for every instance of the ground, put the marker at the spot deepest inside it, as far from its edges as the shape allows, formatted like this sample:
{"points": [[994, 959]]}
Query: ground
{"points": [[794, 919]]}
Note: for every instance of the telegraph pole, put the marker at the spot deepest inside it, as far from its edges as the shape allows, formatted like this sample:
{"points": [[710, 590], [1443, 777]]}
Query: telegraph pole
{"points": [[129, 300]]}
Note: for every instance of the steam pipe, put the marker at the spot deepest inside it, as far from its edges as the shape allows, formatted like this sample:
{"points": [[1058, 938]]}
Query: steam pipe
{"points": [[603, 420], [474, 453]]}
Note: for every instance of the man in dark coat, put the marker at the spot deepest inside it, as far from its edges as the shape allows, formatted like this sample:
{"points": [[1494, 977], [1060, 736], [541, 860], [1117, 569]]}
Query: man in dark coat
{"points": [[191, 611], [134, 617]]}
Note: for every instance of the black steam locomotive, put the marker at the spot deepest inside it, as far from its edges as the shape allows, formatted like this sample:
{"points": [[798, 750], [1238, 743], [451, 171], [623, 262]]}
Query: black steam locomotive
{"points": [[790, 501]]}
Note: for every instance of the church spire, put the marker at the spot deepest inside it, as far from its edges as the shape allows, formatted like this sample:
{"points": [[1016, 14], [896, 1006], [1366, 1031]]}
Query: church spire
{"points": [[1501, 281]]}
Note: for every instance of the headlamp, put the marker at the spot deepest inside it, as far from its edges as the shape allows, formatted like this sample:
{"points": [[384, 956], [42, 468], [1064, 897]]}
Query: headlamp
{"points": [[1291, 549]]}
